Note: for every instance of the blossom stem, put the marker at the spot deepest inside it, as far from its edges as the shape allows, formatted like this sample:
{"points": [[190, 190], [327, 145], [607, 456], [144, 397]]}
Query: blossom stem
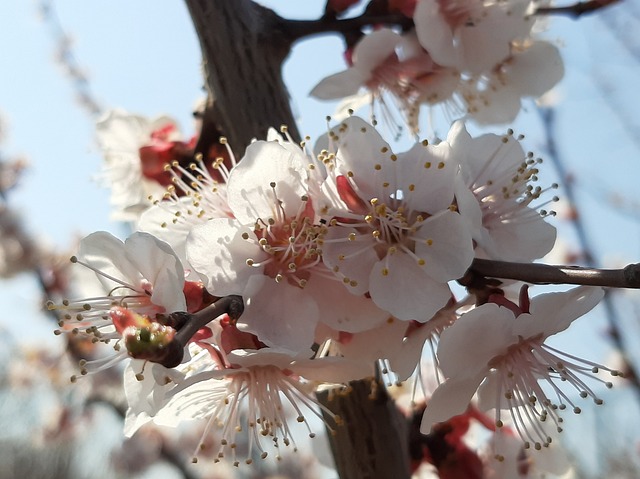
{"points": [[191, 323], [628, 277]]}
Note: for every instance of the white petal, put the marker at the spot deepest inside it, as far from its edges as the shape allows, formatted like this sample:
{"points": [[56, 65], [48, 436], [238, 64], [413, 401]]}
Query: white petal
{"points": [[374, 49], [249, 188], [406, 290], [554, 312], [339, 85], [359, 258], [444, 242], [281, 315], [106, 253], [360, 149], [426, 177], [475, 338], [434, 33], [342, 310], [536, 70], [449, 399], [218, 252], [159, 265]]}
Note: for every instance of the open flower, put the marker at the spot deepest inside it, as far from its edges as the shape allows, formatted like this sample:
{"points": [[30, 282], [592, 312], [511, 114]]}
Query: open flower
{"points": [[472, 36], [144, 282], [269, 253], [237, 372], [394, 230], [502, 346], [500, 175], [136, 150]]}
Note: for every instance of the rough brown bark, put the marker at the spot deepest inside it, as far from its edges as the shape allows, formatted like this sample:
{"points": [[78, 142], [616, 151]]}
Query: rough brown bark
{"points": [[243, 48], [372, 442]]}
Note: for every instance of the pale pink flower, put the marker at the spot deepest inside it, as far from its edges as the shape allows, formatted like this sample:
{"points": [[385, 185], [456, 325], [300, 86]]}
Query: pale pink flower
{"points": [[269, 253], [236, 374], [121, 135], [502, 347], [500, 175], [393, 228], [142, 277], [470, 35], [393, 69]]}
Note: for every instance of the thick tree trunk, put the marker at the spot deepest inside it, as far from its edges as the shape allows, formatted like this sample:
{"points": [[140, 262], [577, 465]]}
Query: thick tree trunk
{"points": [[372, 442], [243, 47]]}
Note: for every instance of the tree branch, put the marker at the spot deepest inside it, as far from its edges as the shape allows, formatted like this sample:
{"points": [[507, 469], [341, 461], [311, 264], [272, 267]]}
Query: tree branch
{"points": [[628, 277], [298, 29], [577, 9]]}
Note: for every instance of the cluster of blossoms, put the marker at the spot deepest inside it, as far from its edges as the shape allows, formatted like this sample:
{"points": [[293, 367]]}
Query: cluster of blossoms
{"points": [[478, 58], [254, 282]]}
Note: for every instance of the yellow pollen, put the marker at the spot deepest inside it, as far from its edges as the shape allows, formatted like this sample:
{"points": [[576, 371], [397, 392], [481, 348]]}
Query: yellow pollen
{"points": [[378, 167], [385, 271], [412, 187], [429, 242], [427, 164], [421, 262]]}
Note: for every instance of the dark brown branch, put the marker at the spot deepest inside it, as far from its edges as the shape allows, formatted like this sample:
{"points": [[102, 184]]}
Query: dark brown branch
{"points": [[628, 277], [577, 9], [297, 29]]}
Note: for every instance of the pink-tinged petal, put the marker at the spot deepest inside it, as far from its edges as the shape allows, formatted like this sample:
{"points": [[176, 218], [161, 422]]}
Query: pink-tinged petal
{"points": [[249, 189], [536, 70], [398, 284], [525, 239], [281, 315], [218, 252], [374, 49], [474, 339], [449, 399], [554, 312], [161, 267], [444, 242], [434, 33], [426, 177], [342, 310], [340, 85], [350, 260]]}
